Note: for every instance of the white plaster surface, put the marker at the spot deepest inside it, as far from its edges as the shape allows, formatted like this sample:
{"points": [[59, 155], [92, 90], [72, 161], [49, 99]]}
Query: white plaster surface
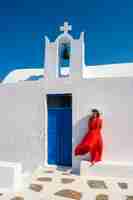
{"points": [[107, 169], [21, 75], [22, 124], [109, 70], [23, 119]]}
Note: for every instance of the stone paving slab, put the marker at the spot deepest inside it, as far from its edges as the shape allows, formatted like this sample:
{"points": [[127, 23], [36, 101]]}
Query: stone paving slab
{"points": [[71, 194], [123, 185], [44, 179], [17, 198], [52, 184], [102, 197], [67, 180], [97, 184], [36, 187], [129, 197]]}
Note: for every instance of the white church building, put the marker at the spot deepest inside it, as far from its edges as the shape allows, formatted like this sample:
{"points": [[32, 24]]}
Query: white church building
{"points": [[42, 120]]}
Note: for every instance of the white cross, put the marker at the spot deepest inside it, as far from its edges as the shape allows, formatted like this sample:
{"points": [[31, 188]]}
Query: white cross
{"points": [[66, 27]]}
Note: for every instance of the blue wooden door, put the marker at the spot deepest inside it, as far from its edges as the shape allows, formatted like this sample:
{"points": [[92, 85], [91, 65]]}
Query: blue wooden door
{"points": [[60, 136]]}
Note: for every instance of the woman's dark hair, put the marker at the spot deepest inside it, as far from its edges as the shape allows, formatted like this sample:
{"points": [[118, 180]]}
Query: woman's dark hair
{"points": [[96, 111]]}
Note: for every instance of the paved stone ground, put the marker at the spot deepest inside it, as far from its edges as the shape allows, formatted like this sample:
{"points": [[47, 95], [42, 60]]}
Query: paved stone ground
{"points": [[61, 184]]}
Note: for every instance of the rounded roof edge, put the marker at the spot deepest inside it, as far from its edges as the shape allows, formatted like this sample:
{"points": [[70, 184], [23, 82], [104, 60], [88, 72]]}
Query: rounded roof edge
{"points": [[22, 74]]}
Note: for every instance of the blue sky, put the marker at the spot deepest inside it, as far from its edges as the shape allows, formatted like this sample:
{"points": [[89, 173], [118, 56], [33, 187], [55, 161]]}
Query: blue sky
{"points": [[108, 26]]}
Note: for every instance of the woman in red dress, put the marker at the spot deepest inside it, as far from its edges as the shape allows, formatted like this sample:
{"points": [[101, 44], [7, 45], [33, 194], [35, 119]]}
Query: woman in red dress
{"points": [[92, 141]]}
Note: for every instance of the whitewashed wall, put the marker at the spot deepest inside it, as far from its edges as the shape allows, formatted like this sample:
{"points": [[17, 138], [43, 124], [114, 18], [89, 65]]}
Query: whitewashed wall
{"points": [[110, 70], [22, 119], [114, 97], [21, 124]]}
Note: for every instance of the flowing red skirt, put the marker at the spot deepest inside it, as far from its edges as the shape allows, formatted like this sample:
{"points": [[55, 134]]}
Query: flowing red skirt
{"points": [[92, 142]]}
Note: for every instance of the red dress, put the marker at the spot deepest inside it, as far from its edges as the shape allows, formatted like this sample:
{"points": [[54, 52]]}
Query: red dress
{"points": [[92, 141]]}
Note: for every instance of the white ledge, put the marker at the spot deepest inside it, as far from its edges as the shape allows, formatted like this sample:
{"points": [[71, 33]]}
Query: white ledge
{"points": [[11, 174], [110, 169]]}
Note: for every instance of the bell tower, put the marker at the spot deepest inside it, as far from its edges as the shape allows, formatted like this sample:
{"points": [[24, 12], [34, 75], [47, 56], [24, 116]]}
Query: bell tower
{"points": [[64, 58], [64, 48]]}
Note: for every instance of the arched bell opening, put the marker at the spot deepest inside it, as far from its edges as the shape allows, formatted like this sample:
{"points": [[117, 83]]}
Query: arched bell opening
{"points": [[64, 57]]}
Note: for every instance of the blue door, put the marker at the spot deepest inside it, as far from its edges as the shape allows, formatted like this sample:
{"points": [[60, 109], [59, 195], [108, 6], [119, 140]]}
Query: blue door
{"points": [[60, 136]]}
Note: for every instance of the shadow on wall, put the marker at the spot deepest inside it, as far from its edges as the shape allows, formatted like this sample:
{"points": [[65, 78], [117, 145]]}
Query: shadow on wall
{"points": [[35, 78], [80, 130]]}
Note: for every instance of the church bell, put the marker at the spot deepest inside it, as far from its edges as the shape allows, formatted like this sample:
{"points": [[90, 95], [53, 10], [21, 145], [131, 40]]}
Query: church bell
{"points": [[66, 54]]}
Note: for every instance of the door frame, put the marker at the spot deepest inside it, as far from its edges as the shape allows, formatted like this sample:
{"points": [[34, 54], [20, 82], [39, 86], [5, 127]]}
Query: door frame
{"points": [[46, 127]]}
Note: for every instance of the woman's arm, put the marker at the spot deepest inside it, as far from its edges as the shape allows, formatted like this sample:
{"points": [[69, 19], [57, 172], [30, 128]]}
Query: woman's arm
{"points": [[99, 124]]}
